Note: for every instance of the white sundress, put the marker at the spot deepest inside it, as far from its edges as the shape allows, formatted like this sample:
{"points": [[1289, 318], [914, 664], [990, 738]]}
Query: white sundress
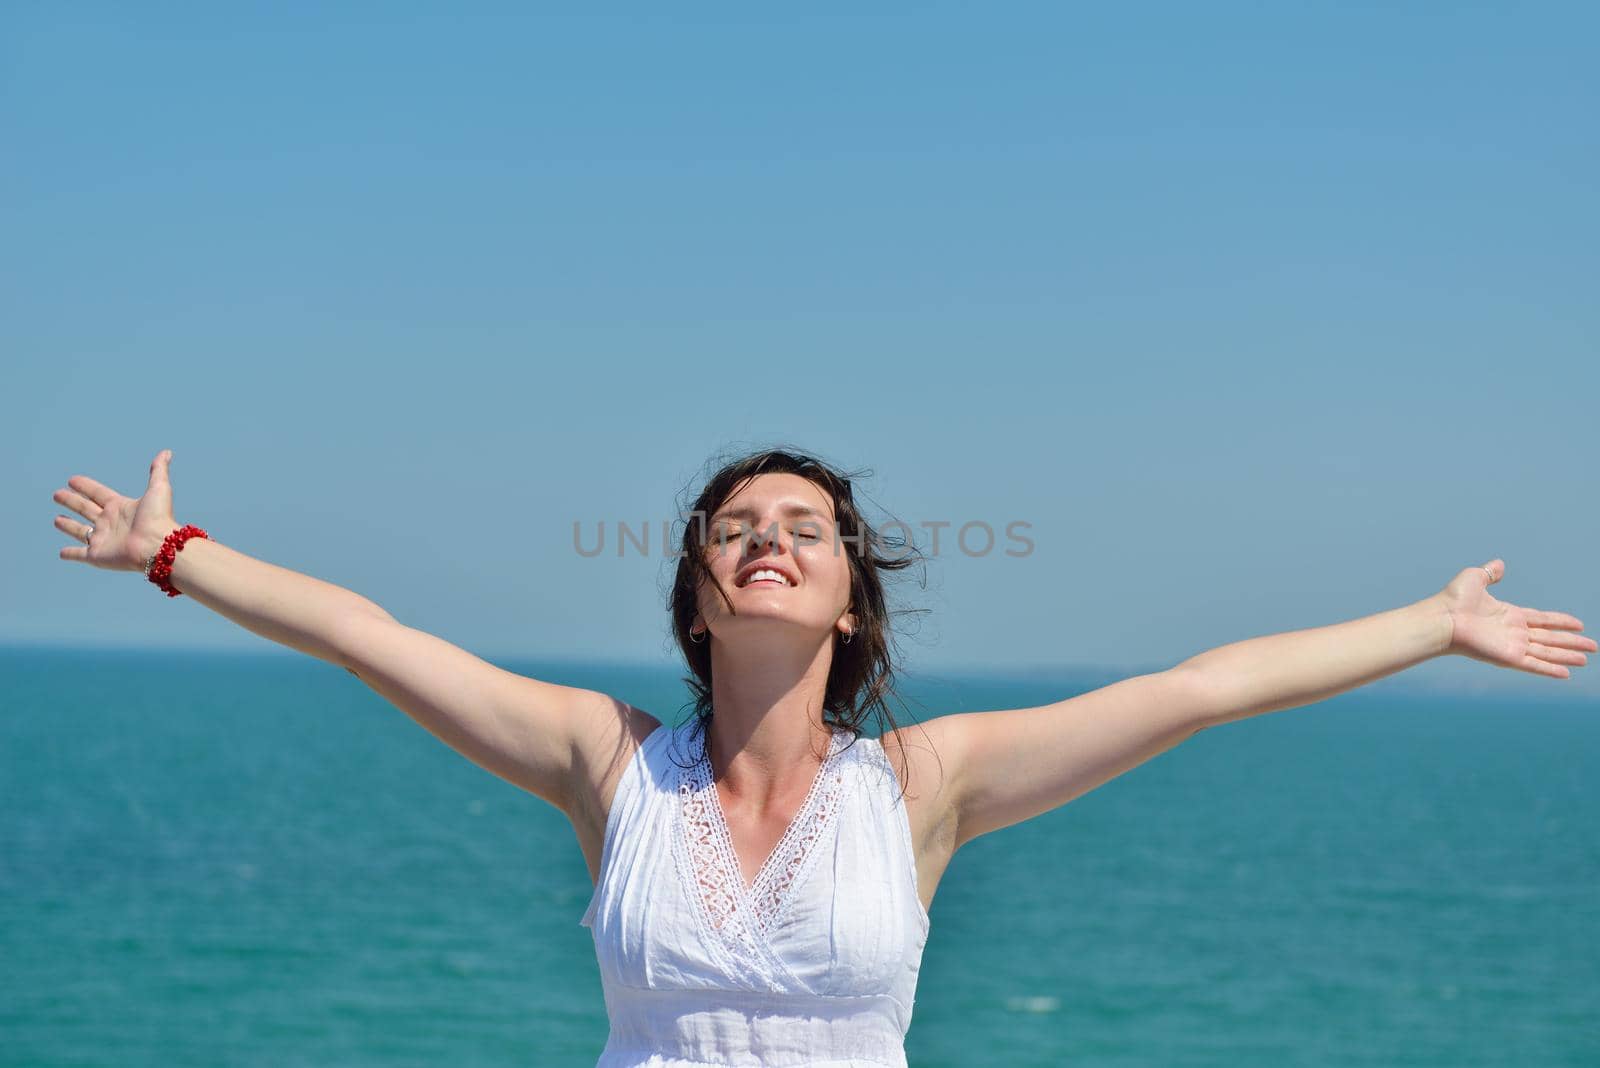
{"points": [[815, 964]]}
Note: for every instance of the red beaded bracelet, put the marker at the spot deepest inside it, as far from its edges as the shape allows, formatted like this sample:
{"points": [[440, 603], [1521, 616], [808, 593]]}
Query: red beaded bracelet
{"points": [[159, 569]]}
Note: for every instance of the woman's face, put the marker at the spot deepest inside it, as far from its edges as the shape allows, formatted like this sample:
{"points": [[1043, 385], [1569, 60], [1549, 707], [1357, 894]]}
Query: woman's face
{"points": [[786, 523]]}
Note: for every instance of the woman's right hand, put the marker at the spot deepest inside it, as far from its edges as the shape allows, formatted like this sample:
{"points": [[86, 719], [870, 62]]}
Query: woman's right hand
{"points": [[126, 532]]}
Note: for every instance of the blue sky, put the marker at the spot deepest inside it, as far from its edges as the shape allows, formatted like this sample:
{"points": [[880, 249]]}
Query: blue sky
{"points": [[1262, 316]]}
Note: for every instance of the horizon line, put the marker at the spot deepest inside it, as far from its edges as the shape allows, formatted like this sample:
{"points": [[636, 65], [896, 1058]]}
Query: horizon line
{"points": [[977, 671]]}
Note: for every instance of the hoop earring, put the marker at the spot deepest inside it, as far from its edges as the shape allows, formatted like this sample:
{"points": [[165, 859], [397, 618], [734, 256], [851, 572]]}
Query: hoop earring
{"points": [[697, 641], [849, 634]]}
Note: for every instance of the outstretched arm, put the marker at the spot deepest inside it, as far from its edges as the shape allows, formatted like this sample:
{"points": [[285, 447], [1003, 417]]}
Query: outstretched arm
{"points": [[1007, 766], [524, 730], [1302, 667], [284, 606]]}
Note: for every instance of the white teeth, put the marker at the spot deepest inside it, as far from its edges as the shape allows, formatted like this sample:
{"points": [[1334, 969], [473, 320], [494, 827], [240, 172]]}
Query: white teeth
{"points": [[767, 573]]}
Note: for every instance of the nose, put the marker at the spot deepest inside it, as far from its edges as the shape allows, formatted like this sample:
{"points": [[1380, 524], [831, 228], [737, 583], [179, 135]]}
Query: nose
{"points": [[760, 536]]}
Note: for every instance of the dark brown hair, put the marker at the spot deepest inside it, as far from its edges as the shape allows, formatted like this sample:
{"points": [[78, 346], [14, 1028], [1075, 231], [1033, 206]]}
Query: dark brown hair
{"points": [[861, 678]]}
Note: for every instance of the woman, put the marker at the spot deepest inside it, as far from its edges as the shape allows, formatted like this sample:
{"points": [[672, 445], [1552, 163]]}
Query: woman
{"points": [[763, 872]]}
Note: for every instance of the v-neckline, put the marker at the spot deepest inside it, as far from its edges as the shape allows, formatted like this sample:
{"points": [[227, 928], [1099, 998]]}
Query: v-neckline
{"points": [[715, 871], [797, 820]]}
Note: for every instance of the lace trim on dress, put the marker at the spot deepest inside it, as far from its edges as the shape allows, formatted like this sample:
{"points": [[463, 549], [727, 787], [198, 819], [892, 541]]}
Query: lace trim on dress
{"points": [[734, 946], [736, 912]]}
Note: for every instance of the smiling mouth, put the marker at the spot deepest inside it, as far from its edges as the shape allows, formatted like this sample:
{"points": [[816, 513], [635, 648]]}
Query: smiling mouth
{"points": [[767, 576]]}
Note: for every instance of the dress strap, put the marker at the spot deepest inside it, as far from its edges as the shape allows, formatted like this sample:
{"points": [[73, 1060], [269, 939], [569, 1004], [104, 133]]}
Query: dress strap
{"points": [[636, 776], [890, 800]]}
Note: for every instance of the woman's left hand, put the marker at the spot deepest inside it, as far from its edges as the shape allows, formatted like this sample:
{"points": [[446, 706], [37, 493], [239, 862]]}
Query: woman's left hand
{"points": [[1541, 643]]}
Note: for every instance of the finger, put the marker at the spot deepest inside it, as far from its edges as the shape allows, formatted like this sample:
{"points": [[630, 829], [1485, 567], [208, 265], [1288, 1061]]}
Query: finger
{"points": [[74, 528], [1551, 654], [99, 494], [1558, 620], [1536, 666], [76, 552], [158, 467], [1563, 639], [78, 503], [1496, 569]]}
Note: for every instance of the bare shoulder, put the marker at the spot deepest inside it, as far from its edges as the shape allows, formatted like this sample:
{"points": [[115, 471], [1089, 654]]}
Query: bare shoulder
{"points": [[603, 744], [921, 755], [924, 759]]}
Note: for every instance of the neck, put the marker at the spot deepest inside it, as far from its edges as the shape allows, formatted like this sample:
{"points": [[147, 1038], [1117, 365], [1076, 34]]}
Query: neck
{"points": [[767, 736]]}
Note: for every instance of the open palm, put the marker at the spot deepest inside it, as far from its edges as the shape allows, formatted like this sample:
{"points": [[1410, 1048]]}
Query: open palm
{"points": [[121, 532], [1507, 635]]}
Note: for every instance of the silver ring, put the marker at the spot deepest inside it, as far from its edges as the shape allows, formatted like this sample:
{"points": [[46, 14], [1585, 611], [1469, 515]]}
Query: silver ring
{"points": [[1486, 571], [87, 534]]}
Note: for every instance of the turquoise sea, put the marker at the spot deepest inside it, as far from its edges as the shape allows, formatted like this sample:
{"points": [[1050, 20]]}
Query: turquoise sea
{"points": [[215, 859]]}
